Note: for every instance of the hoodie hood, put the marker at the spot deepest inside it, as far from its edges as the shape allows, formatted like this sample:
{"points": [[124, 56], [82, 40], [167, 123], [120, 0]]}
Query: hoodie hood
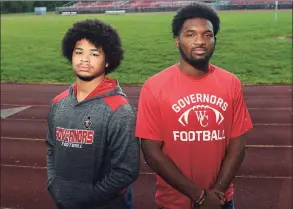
{"points": [[108, 87]]}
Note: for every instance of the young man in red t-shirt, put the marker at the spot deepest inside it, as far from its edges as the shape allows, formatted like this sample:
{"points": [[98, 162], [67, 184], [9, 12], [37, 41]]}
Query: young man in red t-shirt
{"points": [[192, 119]]}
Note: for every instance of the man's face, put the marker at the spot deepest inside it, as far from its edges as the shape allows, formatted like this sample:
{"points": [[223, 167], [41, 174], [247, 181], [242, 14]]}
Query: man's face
{"points": [[88, 62], [196, 42]]}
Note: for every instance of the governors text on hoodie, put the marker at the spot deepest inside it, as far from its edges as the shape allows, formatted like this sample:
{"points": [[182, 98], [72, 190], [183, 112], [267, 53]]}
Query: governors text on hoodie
{"points": [[92, 153]]}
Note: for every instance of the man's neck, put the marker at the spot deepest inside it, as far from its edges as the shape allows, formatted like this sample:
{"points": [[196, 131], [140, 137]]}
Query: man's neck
{"points": [[84, 88], [192, 71]]}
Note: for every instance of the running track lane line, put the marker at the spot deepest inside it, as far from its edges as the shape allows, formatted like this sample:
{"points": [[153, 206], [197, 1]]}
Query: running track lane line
{"points": [[256, 124], [251, 145], [149, 173], [257, 146], [252, 108]]}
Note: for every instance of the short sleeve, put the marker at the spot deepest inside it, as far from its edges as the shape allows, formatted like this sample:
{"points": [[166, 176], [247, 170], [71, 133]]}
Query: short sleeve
{"points": [[148, 116], [241, 117]]}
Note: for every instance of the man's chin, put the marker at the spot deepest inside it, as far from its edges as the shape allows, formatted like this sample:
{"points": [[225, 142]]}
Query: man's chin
{"points": [[85, 77], [199, 63]]}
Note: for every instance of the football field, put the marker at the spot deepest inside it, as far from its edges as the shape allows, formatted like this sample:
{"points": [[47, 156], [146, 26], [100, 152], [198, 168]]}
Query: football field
{"points": [[251, 44]]}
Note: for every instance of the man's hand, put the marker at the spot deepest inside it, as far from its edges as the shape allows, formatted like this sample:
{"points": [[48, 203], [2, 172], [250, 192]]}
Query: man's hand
{"points": [[220, 195], [213, 200]]}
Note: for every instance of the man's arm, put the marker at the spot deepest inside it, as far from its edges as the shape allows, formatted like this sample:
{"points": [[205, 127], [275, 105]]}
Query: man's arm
{"points": [[125, 159], [167, 169], [241, 124], [148, 128], [232, 162], [50, 148]]}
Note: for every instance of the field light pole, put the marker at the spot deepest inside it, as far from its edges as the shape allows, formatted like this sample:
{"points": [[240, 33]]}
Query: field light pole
{"points": [[276, 10]]}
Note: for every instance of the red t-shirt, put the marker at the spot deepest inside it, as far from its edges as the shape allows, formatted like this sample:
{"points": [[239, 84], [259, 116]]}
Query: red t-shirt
{"points": [[195, 118]]}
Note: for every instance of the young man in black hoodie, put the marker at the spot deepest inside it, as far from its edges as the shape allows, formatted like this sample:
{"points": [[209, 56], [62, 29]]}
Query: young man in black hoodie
{"points": [[92, 153]]}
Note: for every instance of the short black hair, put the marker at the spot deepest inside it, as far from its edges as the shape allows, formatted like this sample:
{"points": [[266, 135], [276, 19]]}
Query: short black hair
{"points": [[99, 34], [195, 10]]}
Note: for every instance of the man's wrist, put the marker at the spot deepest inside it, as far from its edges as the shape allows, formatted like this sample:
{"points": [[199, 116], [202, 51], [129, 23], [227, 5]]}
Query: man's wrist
{"points": [[218, 187], [193, 192], [199, 201]]}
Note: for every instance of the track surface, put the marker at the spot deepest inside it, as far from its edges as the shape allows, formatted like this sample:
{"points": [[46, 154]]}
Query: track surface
{"points": [[263, 182]]}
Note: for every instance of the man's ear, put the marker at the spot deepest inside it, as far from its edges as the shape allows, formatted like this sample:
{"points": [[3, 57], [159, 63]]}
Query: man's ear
{"points": [[177, 41], [215, 43]]}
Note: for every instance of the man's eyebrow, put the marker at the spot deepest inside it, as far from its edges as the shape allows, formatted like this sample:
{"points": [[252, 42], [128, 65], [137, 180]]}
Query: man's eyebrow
{"points": [[188, 30], [95, 50], [191, 30]]}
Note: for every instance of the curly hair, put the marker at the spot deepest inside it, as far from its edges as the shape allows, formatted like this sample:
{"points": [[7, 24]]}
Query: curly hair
{"points": [[195, 10], [99, 34]]}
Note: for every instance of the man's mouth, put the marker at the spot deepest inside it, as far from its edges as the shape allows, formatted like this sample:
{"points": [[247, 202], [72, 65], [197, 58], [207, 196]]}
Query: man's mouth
{"points": [[199, 51], [84, 67]]}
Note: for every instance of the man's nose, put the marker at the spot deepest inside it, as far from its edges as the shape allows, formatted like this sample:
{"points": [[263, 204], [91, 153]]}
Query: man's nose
{"points": [[85, 58], [199, 40]]}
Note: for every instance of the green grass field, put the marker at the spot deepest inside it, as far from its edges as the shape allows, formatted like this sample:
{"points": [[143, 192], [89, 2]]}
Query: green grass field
{"points": [[248, 45]]}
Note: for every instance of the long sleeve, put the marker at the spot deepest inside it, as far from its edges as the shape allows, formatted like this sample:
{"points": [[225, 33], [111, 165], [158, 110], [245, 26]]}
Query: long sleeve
{"points": [[125, 155], [50, 148]]}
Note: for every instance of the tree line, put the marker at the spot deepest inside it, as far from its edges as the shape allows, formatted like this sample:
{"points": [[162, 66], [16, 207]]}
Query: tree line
{"points": [[28, 6]]}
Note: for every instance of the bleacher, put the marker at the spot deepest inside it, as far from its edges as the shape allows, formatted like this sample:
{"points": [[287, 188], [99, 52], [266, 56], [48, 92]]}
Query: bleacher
{"points": [[130, 4], [161, 5], [98, 4]]}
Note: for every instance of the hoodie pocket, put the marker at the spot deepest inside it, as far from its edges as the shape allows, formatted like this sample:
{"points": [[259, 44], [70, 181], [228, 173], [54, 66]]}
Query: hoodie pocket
{"points": [[69, 194]]}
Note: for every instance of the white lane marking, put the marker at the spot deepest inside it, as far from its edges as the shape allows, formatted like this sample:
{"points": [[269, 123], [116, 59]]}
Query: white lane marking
{"points": [[5, 113], [150, 173]]}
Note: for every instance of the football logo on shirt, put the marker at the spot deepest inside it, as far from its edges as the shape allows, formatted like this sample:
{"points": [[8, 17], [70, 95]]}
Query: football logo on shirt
{"points": [[207, 110], [87, 122], [201, 115]]}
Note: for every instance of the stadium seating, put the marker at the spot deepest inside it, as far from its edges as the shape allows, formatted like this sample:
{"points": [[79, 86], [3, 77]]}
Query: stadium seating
{"points": [[150, 5], [132, 4]]}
